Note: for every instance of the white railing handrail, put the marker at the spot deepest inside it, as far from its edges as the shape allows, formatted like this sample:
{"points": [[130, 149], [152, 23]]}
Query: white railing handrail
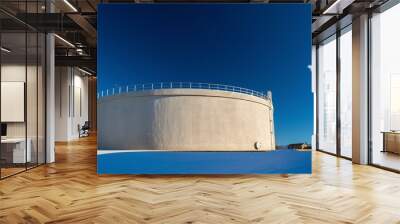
{"points": [[178, 85]]}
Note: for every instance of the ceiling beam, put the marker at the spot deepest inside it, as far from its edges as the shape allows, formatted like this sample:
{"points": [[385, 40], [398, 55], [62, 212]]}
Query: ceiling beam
{"points": [[81, 61], [86, 26]]}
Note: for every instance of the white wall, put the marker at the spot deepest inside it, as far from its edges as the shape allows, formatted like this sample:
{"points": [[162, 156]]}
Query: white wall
{"points": [[33, 127], [80, 111], [12, 73], [16, 73], [61, 103], [71, 102]]}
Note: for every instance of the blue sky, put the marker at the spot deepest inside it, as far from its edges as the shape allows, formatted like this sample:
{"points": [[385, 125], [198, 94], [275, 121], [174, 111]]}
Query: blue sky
{"points": [[256, 46]]}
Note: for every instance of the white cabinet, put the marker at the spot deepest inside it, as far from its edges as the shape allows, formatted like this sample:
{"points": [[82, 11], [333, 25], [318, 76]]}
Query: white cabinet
{"points": [[19, 154]]}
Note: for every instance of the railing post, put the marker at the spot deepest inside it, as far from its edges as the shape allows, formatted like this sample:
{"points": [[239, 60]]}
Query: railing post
{"points": [[152, 86], [161, 85], [190, 85], [102, 93], [107, 92], [113, 91], [119, 90], [127, 88]]}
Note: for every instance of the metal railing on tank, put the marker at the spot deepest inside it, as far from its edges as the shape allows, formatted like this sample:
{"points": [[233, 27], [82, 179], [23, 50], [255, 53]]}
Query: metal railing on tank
{"points": [[179, 85]]}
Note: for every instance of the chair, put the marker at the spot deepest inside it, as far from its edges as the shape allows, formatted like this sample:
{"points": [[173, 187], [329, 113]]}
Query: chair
{"points": [[84, 130]]}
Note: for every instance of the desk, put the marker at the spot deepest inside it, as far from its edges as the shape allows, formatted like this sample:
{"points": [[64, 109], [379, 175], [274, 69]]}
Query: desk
{"points": [[391, 141], [13, 150]]}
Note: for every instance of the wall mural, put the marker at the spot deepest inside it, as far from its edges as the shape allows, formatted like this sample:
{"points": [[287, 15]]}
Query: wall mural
{"points": [[204, 88]]}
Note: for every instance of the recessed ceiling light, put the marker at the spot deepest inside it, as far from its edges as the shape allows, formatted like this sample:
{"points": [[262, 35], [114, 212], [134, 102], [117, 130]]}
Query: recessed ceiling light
{"points": [[64, 40], [70, 5], [337, 7], [84, 71], [5, 50]]}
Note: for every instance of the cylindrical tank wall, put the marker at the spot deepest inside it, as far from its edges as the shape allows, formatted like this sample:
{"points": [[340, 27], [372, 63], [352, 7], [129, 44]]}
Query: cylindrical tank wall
{"points": [[185, 120]]}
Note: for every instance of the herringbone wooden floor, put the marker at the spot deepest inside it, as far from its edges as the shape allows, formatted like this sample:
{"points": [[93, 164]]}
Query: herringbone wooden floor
{"points": [[70, 191]]}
